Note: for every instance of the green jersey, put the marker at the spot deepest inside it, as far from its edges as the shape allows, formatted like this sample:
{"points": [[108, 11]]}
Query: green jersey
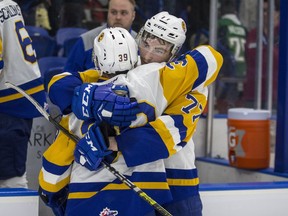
{"points": [[232, 38]]}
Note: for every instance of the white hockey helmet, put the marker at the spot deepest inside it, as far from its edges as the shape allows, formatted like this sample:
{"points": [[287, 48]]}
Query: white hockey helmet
{"points": [[167, 27], [115, 50]]}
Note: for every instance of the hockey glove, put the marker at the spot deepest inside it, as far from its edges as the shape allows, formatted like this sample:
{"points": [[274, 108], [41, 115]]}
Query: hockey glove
{"points": [[91, 149], [104, 104], [56, 201]]}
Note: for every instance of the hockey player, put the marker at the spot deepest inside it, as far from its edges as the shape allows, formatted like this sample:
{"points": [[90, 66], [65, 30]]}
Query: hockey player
{"points": [[112, 108], [18, 65], [169, 143]]}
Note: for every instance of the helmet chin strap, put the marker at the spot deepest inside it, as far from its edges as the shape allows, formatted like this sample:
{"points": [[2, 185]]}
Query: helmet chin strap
{"points": [[121, 72]]}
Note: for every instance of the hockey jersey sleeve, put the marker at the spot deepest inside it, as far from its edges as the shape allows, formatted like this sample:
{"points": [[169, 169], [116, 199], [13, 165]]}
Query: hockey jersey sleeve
{"points": [[66, 83], [57, 162], [184, 84], [79, 59], [58, 158]]}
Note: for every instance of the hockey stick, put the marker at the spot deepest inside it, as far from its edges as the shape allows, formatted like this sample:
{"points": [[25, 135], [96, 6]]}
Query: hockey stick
{"points": [[120, 176]]}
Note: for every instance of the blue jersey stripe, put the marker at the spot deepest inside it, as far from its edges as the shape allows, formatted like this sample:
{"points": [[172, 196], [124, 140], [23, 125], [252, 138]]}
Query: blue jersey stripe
{"points": [[53, 168], [182, 174], [15, 104], [179, 123], [201, 65]]}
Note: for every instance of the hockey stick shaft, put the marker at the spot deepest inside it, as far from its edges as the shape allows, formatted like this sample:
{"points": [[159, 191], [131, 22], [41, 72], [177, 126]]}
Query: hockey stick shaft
{"points": [[116, 173]]}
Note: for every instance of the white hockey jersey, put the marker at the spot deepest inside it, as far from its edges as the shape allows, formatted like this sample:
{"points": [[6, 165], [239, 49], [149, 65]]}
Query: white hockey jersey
{"points": [[18, 64], [156, 152]]}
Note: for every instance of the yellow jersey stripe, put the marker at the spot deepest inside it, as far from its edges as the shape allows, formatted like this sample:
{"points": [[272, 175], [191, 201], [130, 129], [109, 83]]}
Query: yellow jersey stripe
{"points": [[142, 185], [89, 76], [183, 182], [56, 78], [165, 135], [53, 187], [18, 95], [81, 195]]}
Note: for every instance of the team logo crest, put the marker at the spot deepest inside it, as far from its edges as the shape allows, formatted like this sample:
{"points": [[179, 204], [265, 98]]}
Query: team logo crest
{"points": [[101, 36], [107, 212]]}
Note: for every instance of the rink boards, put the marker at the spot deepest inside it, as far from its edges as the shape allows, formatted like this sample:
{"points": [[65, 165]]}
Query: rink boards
{"points": [[257, 198], [19, 201]]}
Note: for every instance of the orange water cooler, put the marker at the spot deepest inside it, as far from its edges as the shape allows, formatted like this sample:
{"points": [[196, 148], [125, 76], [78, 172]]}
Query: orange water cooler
{"points": [[249, 138]]}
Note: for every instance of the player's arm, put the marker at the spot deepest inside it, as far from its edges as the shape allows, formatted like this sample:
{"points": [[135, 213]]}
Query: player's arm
{"points": [[54, 175], [165, 136], [61, 87], [57, 161]]}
